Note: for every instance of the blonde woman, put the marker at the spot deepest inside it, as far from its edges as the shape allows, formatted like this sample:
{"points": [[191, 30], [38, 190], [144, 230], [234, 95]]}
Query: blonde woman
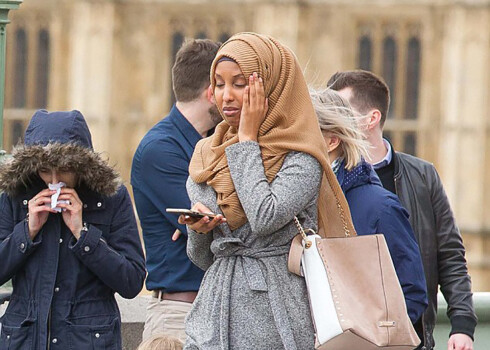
{"points": [[373, 208]]}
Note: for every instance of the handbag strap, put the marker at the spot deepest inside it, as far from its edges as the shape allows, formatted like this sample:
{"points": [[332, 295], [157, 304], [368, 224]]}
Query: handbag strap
{"points": [[295, 254], [339, 221], [296, 249]]}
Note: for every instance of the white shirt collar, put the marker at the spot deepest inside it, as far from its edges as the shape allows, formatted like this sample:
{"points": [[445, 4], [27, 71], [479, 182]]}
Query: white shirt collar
{"points": [[387, 159]]}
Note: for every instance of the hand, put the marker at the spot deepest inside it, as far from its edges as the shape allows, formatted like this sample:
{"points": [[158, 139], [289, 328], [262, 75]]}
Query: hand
{"points": [[254, 109], [203, 225], [39, 208], [72, 212], [176, 235], [460, 341]]}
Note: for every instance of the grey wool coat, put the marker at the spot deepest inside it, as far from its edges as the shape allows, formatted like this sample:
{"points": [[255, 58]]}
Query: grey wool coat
{"points": [[248, 298]]}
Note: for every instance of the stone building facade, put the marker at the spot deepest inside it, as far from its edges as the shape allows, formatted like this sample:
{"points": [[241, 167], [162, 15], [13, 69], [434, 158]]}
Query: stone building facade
{"points": [[112, 60]]}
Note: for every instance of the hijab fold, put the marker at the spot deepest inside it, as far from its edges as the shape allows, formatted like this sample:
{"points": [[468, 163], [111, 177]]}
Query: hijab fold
{"points": [[290, 125]]}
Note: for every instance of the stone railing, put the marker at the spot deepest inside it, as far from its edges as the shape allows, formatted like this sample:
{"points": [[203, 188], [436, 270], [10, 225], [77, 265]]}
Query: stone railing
{"points": [[482, 334]]}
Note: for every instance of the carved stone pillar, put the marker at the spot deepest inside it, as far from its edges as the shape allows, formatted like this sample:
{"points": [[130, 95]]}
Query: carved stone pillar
{"points": [[465, 133], [90, 67]]}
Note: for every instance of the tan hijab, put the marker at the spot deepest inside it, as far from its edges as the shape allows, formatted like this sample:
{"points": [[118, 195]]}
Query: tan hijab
{"points": [[290, 124]]}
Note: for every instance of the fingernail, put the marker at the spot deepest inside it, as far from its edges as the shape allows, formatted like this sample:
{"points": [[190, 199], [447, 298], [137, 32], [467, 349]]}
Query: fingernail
{"points": [[186, 217]]}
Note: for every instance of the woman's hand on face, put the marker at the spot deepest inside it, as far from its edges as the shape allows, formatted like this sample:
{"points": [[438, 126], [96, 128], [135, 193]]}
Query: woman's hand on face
{"points": [[204, 225], [254, 109], [39, 208], [72, 211]]}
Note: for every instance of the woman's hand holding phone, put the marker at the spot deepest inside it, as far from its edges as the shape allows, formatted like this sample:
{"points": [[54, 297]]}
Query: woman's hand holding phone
{"points": [[201, 225]]}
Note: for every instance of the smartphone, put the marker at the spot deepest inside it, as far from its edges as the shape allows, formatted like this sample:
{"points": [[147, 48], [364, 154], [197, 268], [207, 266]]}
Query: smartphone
{"points": [[191, 213]]}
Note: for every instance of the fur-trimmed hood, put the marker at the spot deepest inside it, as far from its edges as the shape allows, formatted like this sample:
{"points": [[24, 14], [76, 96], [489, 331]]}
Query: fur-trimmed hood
{"points": [[59, 140]]}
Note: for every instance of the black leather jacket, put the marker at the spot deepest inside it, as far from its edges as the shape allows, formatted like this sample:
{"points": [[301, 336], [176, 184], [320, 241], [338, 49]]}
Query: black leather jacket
{"points": [[420, 190]]}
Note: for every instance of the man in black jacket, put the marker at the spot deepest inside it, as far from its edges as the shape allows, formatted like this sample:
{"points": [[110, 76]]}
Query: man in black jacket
{"points": [[420, 190]]}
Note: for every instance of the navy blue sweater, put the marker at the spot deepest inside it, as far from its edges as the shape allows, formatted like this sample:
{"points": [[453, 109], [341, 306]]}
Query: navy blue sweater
{"points": [[158, 176]]}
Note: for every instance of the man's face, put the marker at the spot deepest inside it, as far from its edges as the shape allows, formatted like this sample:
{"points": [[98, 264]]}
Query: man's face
{"points": [[214, 114]]}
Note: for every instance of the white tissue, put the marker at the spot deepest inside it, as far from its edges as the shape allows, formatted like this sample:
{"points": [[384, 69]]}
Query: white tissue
{"points": [[54, 198]]}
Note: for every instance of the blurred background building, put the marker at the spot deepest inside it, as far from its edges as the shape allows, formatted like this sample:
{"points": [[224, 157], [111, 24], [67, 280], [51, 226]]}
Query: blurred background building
{"points": [[112, 60]]}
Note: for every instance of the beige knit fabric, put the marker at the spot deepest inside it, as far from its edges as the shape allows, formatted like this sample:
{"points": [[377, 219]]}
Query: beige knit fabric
{"points": [[290, 125]]}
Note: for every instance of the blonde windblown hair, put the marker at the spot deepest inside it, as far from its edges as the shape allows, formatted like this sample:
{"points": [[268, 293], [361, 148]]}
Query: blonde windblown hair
{"points": [[335, 115], [161, 342]]}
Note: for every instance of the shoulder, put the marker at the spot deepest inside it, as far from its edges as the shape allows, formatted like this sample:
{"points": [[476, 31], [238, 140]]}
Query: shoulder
{"points": [[415, 163], [121, 193], [118, 201], [162, 132], [420, 172], [302, 159], [158, 148], [372, 197]]}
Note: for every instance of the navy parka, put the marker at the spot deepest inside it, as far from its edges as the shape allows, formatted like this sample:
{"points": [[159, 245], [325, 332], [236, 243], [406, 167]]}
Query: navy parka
{"points": [[375, 210], [63, 289]]}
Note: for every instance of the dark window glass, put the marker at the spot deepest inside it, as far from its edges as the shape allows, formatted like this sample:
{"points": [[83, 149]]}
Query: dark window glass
{"points": [[20, 70], [201, 35], [365, 53], [42, 70], [17, 132], [177, 41], [387, 135], [389, 70], [413, 79], [223, 37], [410, 143]]}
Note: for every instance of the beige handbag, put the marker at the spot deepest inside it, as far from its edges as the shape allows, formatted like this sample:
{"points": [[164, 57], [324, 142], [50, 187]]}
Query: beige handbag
{"points": [[355, 297]]}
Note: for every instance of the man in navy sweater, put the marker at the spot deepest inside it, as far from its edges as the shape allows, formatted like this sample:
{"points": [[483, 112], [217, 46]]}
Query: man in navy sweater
{"points": [[158, 176]]}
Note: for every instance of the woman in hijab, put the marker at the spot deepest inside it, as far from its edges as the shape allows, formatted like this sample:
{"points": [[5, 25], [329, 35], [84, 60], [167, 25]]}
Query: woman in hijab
{"points": [[68, 240], [261, 168]]}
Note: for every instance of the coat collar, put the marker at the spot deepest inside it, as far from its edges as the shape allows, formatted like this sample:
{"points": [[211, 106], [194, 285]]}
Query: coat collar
{"points": [[363, 173], [184, 126]]}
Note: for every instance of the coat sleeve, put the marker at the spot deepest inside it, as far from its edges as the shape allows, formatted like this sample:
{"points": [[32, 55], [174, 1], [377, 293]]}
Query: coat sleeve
{"points": [[454, 281], [199, 249], [117, 261], [15, 243], [394, 225], [198, 245], [270, 206]]}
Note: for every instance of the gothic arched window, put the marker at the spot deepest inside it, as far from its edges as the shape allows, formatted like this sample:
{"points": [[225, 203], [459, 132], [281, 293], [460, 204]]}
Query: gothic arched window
{"points": [[365, 48], [42, 83], [201, 35], [410, 142], [413, 79], [223, 37], [20, 70], [389, 69]]}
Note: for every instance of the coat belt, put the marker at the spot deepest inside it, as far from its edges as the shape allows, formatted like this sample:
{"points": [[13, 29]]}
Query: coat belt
{"points": [[258, 280]]}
